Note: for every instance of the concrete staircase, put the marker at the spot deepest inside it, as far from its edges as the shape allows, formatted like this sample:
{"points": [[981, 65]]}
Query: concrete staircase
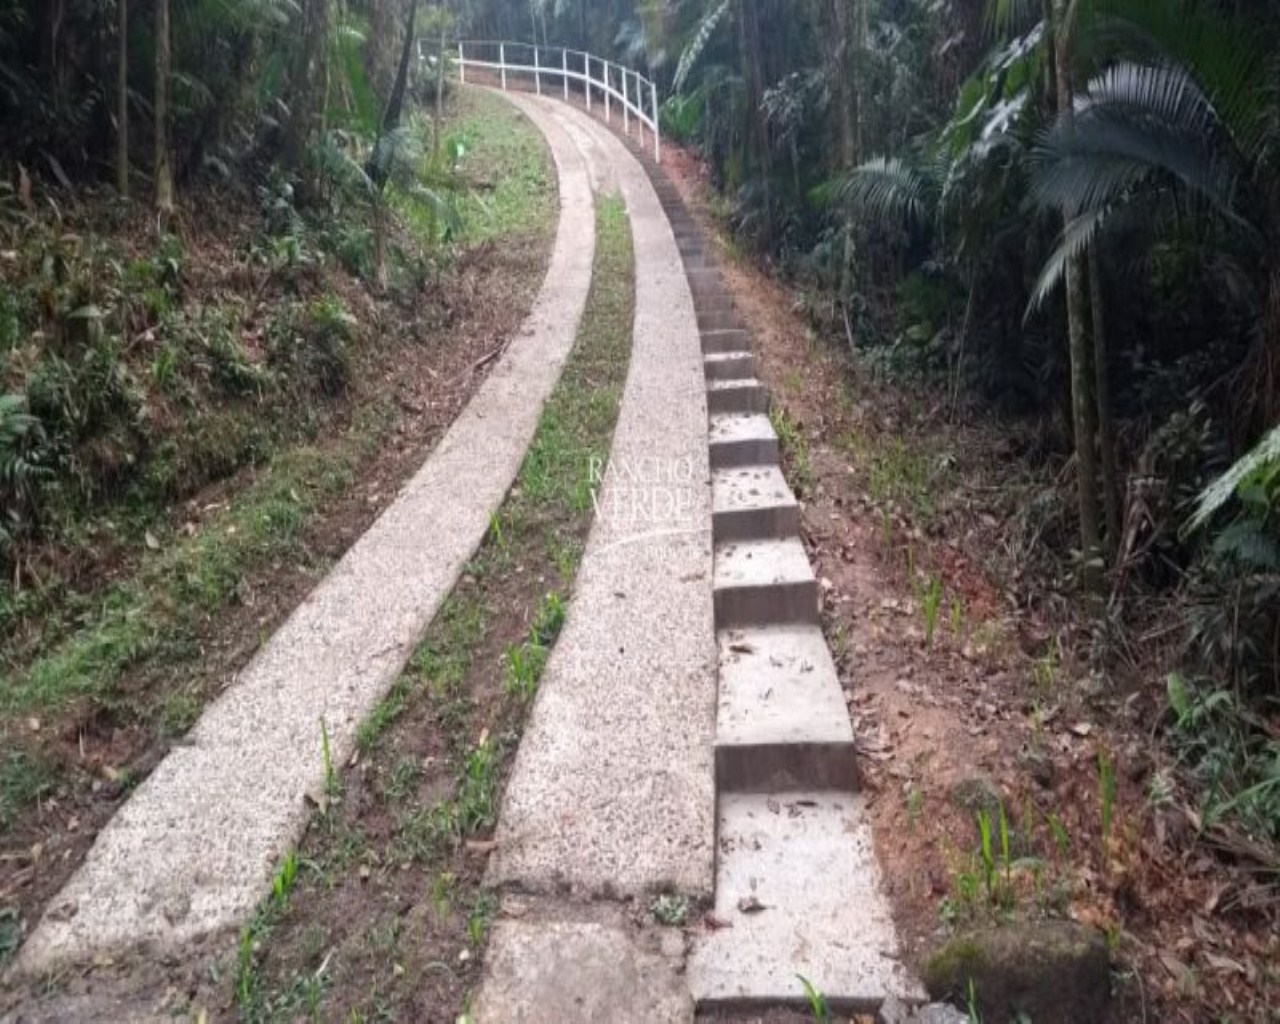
{"points": [[797, 887]]}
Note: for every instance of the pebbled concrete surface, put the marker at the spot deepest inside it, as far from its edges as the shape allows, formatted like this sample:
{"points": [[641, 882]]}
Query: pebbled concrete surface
{"points": [[612, 789], [557, 972], [194, 849], [838, 934]]}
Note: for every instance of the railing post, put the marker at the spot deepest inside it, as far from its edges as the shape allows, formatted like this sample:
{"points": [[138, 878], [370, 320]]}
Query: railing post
{"points": [[586, 74], [639, 111], [537, 72], [608, 99], [502, 62], [657, 131], [564, 63], [462, 68], [626, 105]]}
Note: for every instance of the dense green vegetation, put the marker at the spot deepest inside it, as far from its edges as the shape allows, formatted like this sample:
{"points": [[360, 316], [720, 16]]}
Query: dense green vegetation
{"points": [[184, 394], [1065, 215]]}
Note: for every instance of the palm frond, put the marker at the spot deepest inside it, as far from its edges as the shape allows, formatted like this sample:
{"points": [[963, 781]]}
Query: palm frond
{"points": [[1137, 122], [1227, 59], [692, 52], [1263, 458], [1005, 18], [1073, 244], [889, 189]]}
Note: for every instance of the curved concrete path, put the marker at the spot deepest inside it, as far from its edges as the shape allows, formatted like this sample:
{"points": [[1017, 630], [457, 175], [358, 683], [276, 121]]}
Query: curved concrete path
{"points": [[612, 793], [194, 849]]}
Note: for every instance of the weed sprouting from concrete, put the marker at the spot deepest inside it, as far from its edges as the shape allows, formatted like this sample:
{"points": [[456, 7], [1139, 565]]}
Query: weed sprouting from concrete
{"points": [[671, 909], [818, 1006]]}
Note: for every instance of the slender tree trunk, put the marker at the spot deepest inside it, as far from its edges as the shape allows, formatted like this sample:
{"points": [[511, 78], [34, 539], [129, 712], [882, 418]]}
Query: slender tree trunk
{"points": [[438, 127], [753, 56], [163, 158], [308, 84], [1082, 405], [1102, 392], [395, 105], [122, 101]]}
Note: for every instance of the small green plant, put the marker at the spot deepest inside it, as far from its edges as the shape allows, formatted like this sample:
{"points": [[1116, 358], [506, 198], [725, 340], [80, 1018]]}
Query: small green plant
{"points": [[957, 617], [442, 890], [987, 853], [915, 805], [1061, 838], [671, 909], [549, 620], [818, 1007], [326, 753], [481, 917], [974, 1016], [477, 800], [930, 602], [1106, 793], [525, 663], [497, 537], [1045, 669], [285, 879], [795, 447]]}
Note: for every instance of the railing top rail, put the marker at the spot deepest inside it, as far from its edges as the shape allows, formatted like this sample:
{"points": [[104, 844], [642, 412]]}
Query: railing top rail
{"points": [[634, 93], [554, 48]]}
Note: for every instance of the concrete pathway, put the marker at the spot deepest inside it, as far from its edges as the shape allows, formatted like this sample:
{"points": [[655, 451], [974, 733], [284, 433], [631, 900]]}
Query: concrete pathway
{"points": [[691, 732], [612, 786], [193, 851], [612, 793]]}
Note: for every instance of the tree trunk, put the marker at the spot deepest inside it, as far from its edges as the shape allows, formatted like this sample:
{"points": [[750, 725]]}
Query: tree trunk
{"points": [[122, 101], [163, 158], [1102, 392], [395, 105], [753, 57], [1082, 406], [438, 127], [307, 83], [380, 59]]}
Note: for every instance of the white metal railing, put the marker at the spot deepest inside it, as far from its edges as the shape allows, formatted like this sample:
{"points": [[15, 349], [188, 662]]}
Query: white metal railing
{"points": [[556, 66]]}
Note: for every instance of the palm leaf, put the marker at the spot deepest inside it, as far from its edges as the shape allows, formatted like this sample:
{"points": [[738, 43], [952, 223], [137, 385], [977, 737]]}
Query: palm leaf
{"points": [[689, 58], [1076, 238], [1137, 123], [889, 189], [1262, 459]]}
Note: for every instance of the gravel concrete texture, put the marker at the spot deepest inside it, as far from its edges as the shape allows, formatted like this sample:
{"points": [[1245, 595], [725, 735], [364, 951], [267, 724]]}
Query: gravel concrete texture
{"points": [[838, 934], [194, 849], [561, 972], [612, 789]]}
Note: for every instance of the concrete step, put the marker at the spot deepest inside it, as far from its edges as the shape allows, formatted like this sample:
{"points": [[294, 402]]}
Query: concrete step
{"points": [[705, 282], [725, 341], [742, 440], [714, 303], [752, 502], [806, 859], [718, 320], [783, 723], [729, 366], [744, 395], [764, 582]]}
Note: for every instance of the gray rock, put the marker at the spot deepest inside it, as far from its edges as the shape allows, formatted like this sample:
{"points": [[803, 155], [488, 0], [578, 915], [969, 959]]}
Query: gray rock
{"points": [[1054, 972]]}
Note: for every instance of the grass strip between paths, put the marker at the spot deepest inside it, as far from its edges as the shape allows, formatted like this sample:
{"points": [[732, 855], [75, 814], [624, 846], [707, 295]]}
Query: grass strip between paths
{"points": [[380, 914]]}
